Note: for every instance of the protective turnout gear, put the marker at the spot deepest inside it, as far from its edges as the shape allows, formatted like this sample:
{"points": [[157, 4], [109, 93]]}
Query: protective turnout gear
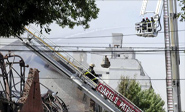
{"points": [[143, 24], [143, 20], [91, 74], [152, 20], [147, 20]]}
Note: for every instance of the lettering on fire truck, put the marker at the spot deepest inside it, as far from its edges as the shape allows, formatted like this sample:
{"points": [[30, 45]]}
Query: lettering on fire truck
{"points": [[117, 99]]}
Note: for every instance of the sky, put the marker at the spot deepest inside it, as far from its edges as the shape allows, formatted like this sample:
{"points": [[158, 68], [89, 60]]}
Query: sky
{"points": [[120, 17]]}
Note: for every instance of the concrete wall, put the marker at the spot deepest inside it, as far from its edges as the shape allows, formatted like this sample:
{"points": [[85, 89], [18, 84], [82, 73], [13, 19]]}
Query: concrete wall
{"points": [[123, 63]]}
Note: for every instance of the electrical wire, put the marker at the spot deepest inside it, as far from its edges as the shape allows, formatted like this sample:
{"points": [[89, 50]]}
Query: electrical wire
{"points": [[85, 46], [126, 51], [59, 78], [18, 44]]}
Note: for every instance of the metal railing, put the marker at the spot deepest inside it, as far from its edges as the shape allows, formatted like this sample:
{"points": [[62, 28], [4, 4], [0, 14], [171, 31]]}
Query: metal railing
{"points": [[60, 55]]}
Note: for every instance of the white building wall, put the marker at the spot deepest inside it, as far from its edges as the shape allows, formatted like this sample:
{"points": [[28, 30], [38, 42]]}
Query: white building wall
{"points": [[122, 64], [130, 68], [81, 58]]}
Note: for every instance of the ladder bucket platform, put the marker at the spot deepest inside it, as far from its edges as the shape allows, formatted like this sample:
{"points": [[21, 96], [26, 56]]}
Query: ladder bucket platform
{"points": [[147, 29]]}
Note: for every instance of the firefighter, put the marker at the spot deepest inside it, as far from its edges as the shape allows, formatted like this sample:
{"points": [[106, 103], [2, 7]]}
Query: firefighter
{"points": [[147, 20], [153, 24], [143, 20], [143, 25], [91, 73], [152, 19], [149, 26]]}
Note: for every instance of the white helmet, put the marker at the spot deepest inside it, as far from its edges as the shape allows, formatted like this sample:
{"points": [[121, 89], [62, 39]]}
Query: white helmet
{"points": [[92, 65]]}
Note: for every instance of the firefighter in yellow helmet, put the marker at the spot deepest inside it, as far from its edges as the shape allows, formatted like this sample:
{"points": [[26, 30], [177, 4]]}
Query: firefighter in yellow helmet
{"points": [[91, 73]]}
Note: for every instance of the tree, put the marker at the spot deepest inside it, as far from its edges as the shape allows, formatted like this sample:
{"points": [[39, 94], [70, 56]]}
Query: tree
{"points": [[16, 14], [182, 14], [146, 100]]}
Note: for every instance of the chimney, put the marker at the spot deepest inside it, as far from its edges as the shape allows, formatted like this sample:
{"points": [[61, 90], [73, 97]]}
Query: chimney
{"points": [[117, 39]]}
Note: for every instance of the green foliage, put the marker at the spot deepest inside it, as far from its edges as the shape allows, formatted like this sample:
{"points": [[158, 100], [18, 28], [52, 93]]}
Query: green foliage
{"points": [[146, 100], [130, 89], [15, 14], [182, 13]]}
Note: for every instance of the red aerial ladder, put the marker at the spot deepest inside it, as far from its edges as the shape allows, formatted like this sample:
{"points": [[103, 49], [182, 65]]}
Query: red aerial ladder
{"points": [[64, 63]]}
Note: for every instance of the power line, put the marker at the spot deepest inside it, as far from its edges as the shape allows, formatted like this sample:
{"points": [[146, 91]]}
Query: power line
{"points": [[18, 43], [123, 51], [101, 78], [60, 46]]}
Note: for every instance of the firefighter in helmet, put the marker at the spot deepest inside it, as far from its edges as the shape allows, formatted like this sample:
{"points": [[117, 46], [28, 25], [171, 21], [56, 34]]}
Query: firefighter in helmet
{"points": [[153, 24], [143, 25], [91, 73], [152, 20], [149, 26], [143, 20], [147, 20]]}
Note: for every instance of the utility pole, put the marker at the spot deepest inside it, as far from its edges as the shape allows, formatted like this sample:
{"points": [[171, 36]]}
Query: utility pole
{"points": [[175, 56], [172, 56]]}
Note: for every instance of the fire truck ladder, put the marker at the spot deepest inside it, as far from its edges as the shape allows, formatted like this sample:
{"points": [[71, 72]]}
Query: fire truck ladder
{"points": [[65, 64]]}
